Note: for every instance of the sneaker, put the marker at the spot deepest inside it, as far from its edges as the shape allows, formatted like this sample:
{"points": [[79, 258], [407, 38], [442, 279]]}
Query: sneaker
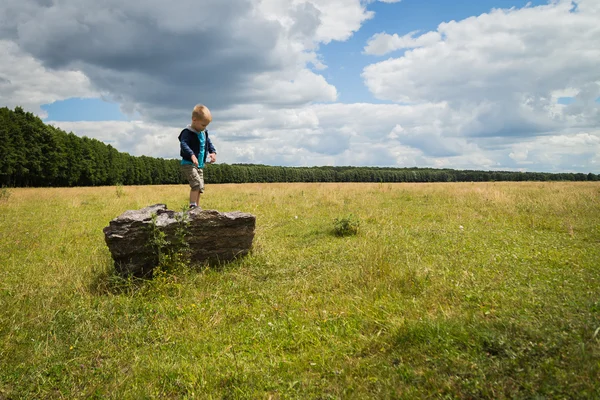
{"points": [[193, 206]]}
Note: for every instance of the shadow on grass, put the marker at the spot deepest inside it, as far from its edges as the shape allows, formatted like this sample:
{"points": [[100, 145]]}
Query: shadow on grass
{"points": [[108, 281], [486, 359]]}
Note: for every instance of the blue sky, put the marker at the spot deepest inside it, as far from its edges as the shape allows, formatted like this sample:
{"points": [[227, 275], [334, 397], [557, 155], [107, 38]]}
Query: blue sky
{"points": [[83, 109], [319, 82]]}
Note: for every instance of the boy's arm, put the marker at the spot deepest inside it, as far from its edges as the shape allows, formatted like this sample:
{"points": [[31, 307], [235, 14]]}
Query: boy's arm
{"points": [[211, 149], [185, 148]]}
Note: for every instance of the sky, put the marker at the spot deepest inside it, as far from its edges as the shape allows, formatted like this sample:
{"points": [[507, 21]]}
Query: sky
{"points": [[484, 85]]}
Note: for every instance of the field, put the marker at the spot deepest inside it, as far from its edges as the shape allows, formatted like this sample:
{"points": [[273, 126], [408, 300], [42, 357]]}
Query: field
{"points": [[459, 290]]}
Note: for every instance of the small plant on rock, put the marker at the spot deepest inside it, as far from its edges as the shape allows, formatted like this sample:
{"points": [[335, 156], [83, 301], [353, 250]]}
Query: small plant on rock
{"points": [[171, 254]]}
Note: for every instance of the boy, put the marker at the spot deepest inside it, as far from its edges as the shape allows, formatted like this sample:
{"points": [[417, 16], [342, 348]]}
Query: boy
{"points": [[195, 145]]}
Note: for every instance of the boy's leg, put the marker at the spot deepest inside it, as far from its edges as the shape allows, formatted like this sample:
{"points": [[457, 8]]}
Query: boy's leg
{"points": [[201, 190], [194, 196], [195, 181]]}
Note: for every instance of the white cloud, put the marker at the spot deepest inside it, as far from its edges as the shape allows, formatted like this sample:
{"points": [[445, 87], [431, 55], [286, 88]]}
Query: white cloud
{"points": [[508, 67], [425, 135], [519, 154], [25, 82], [133, 137], [573, 152], [383, 43], [318, 20]]}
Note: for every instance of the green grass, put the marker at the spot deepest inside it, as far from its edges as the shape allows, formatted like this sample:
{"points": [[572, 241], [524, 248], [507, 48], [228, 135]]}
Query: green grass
{"points": [[485, 290]]}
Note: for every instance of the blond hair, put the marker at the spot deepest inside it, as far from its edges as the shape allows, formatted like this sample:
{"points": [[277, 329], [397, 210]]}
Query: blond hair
{"points": [[201, 112]]}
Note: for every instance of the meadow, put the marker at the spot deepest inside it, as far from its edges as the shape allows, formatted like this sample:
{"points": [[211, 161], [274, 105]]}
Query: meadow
{"points": [[457, 290]]}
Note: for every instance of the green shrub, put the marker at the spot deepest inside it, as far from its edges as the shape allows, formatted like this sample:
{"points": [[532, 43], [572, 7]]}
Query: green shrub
{"points": [[346, 226]]}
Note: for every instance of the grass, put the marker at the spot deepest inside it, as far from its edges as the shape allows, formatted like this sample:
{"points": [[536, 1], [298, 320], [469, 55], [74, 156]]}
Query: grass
{"points": [[459, 290]]}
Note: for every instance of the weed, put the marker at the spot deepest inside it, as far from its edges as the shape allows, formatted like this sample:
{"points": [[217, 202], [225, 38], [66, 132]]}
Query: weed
{"points": [[157, 241], [346, 226], [180, 249], [5, 193], [170, 253], [119, 190]]}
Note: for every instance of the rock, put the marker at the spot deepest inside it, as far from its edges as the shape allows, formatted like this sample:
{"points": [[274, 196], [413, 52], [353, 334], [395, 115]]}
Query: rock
{"points": [[213, 237]]}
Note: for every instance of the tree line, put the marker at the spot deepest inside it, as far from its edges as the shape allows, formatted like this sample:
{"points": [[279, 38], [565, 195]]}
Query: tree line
{"points": [[33, 154]]}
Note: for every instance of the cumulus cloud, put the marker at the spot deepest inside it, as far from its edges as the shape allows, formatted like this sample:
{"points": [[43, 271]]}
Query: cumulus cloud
{"points": [[160, 59], [571, 152], [424, 135], [530, 51], [506, 67]]}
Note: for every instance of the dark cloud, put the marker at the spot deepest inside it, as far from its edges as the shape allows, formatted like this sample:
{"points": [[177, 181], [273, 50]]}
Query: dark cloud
{"points": [[161, 59]]}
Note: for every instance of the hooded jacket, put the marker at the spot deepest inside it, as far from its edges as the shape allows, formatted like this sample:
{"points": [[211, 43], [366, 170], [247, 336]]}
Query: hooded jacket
{"points": [[190, 145]]}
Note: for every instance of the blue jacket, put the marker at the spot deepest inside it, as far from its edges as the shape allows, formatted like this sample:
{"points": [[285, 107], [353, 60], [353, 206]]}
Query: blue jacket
{"points": [[190, 144]]}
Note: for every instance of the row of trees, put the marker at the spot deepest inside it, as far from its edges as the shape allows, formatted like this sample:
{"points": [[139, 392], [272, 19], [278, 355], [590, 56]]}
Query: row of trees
{"points": [[241, 173], [35, 154]]}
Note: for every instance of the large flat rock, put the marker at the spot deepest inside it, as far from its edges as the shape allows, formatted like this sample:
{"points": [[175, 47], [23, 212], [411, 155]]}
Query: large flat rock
{"points": [[213, 237]]}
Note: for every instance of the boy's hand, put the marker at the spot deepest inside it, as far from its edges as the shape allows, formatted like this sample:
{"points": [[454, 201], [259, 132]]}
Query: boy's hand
{"points": [[213, 157], [195, 160]]}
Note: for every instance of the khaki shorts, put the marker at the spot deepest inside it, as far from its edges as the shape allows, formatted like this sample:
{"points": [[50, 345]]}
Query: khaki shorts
{"points": [[194, 176]]}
